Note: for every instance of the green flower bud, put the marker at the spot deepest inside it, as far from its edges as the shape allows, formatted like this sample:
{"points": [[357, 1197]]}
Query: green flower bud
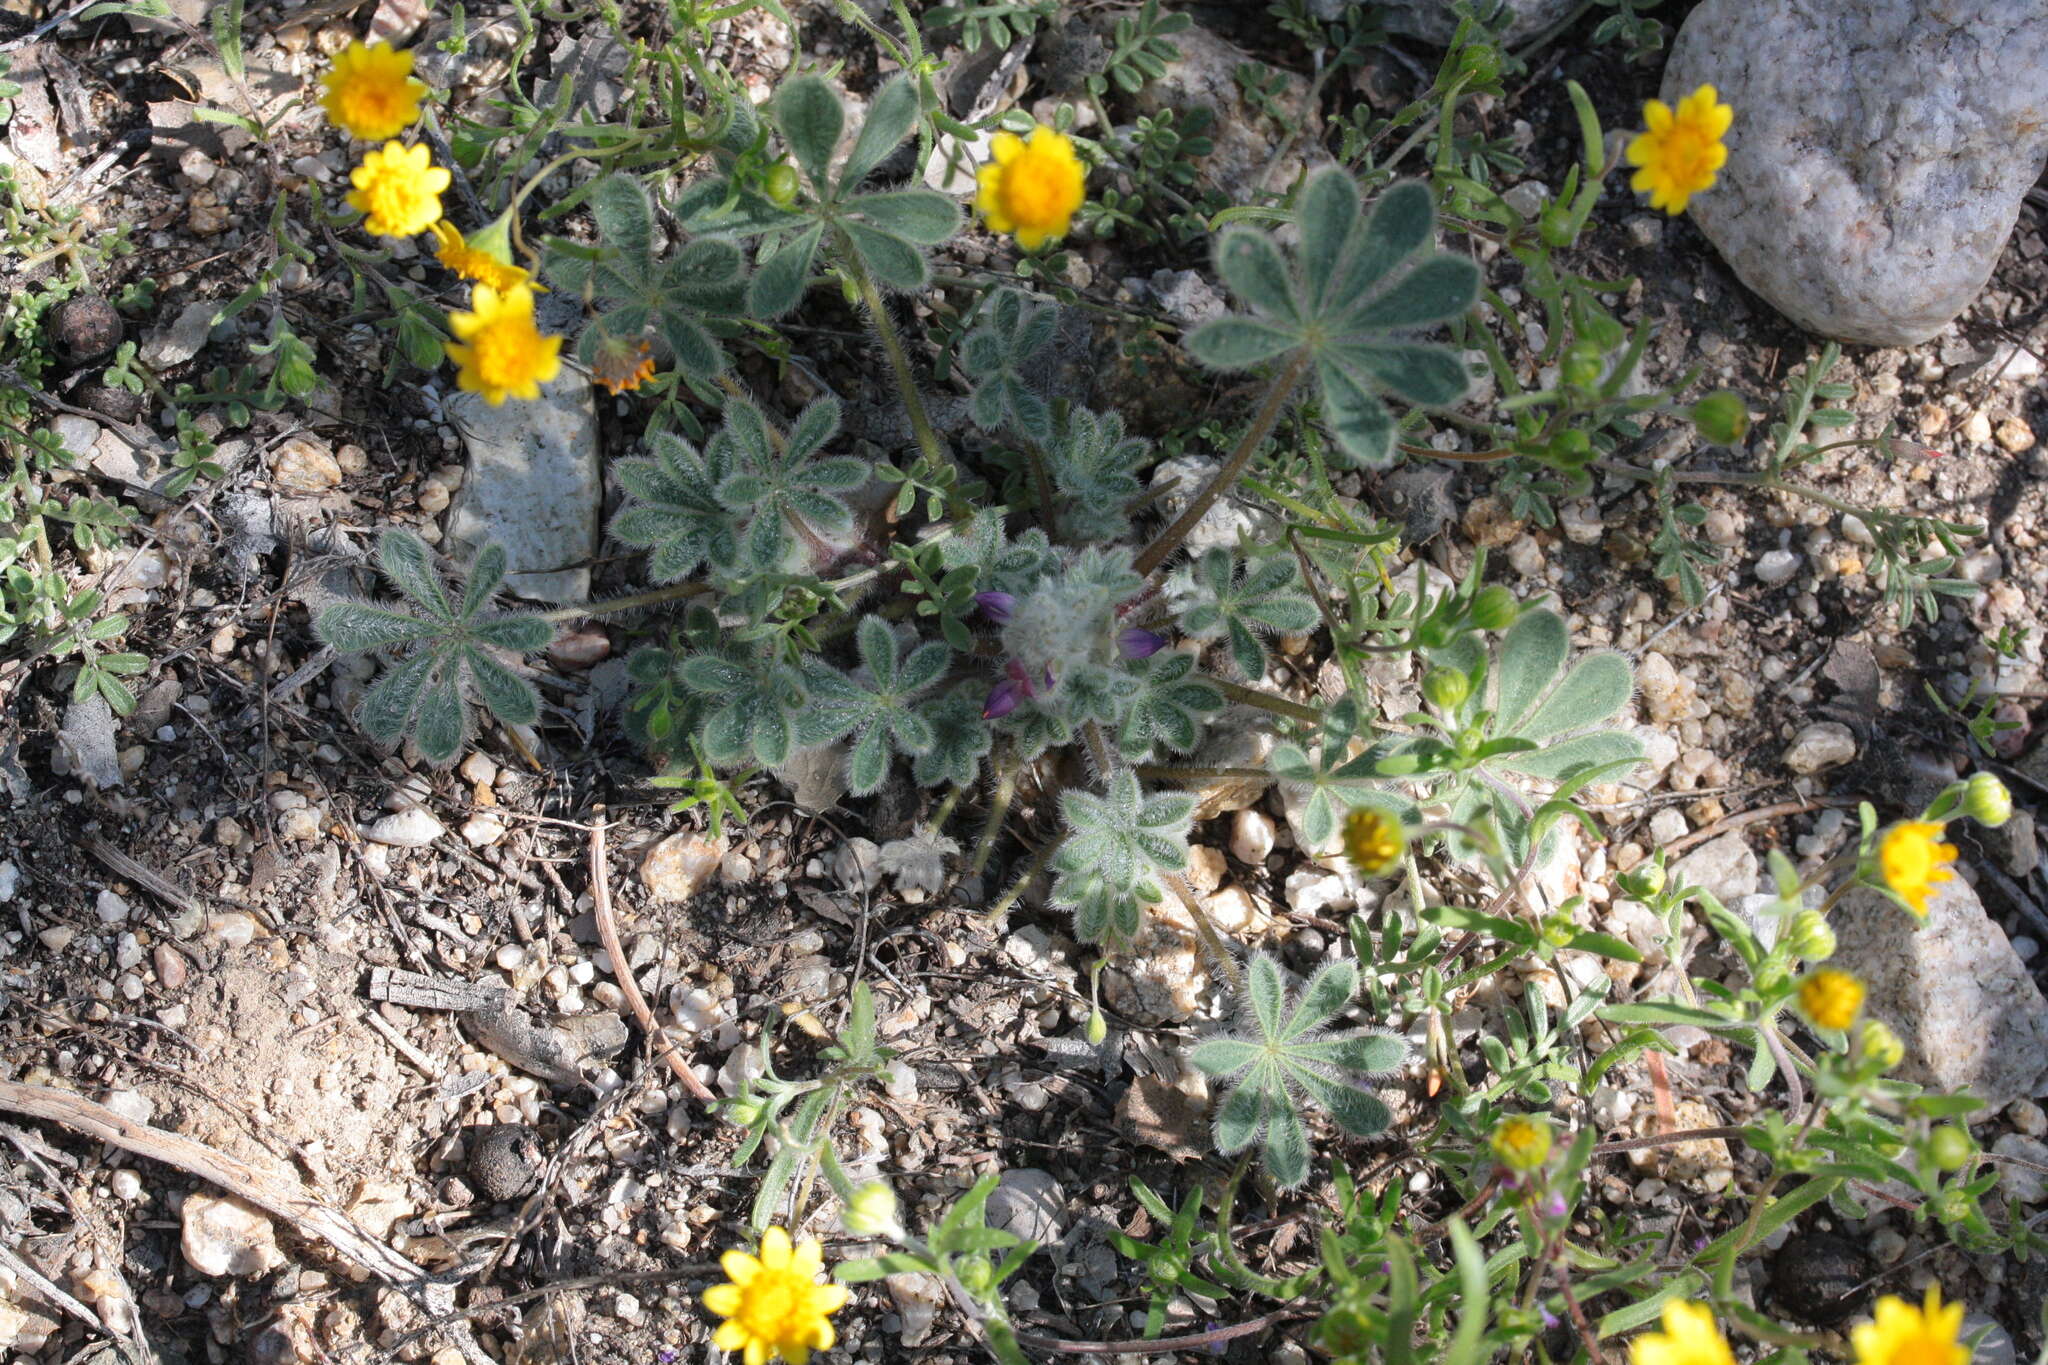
{"points": [[1570, 450], [1809, 936], [1986, 801], [780, 183], [1721, 418], [746, 1113], [1644, 881], [1583, 365], [1495, 608], [1950, 1206], [1881, 1046], [1480, 61], [872, 1211], [977, 1277], [1555, 226], [1604, 332], [1098, 1028], [1446, 688], [1949, 1147]]}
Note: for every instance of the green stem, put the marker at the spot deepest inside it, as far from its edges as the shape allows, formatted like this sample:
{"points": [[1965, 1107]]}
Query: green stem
{"points": [[1156, 772], [653, 597], [1266, 701], [1263, 421], [1038, 863], [928, 441], [999, 806]]}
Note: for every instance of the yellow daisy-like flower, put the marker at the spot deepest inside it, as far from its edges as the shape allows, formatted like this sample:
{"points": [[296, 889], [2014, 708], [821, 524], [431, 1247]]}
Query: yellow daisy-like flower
{"points": [[1831, 999], [775, 1309], [1373, 840], [1521, 1143], [1033, 187], [1682, 148], [506, 355], [398, 190], [472, 262], [1913, 860], [371, 91], [1905, 1335], [1689, 1338]]}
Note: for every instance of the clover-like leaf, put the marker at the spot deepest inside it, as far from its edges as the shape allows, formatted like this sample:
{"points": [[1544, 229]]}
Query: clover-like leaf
{"points": [[1359, 284], [450, 650], [1217, 602], [1117, 845], [1093, 465], [1169, 708], [960, 737], [791, 496], [1010, 332], [876, 703], [1281, 1055], [672, 508]]}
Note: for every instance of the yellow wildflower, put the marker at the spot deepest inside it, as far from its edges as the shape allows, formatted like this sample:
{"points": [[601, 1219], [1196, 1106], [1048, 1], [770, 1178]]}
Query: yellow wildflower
{"points": [[1373, 840], [371, 91], [1682, 148], [398, 190], [507, 356], [1689, 1338], [1831, 999], [774, 1308], [469, 259], [1033, 187], [622, 365], [1905, 1335], [1913, 861], [1520, 1143]]}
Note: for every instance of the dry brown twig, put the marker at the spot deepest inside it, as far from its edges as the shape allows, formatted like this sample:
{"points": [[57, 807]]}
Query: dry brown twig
{"points": [[622, 971], [280, 1195]]}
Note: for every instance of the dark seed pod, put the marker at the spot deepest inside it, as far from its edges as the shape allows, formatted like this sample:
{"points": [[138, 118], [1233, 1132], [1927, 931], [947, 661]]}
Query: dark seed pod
{"points": [[505, 1160], [108, 401], [84, 327], [1817, 1278]]}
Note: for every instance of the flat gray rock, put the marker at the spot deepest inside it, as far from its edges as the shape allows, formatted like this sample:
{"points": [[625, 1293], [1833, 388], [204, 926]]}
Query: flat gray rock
{"points": [[1954, 990], [534, 486], [1434, 21], [1880, 153]]}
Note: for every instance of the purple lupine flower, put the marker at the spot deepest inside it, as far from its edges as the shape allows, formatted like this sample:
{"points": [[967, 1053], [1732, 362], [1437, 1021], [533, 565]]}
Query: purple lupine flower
{"points": [[1002, 699], [996, 606], [1135, 642]]}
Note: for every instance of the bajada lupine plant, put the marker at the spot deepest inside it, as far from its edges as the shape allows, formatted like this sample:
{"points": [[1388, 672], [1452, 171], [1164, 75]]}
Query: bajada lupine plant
{"points": [[1359, 284], [1118, 846], [450, 649], [1282, 1054]]}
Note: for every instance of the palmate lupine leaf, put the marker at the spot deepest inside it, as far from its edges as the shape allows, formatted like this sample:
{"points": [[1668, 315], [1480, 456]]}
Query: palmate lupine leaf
{"points": [[450, 650], [1280, 1056], [1218, 602], [672, 508], [1010, 331], [1117, 845], [889, 230], [638, 295], [1094, 465], [1170, 707], [1358, 285], [876, 704]]}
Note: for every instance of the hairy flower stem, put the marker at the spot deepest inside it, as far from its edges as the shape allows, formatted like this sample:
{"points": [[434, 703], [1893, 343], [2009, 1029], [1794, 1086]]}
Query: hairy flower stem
{"points": [[1263, 422], [998, 808], [1037, 865], [1205, 929], [653, 597], [945, 810], [928, 442], [1160, 772], [1266, 701]]}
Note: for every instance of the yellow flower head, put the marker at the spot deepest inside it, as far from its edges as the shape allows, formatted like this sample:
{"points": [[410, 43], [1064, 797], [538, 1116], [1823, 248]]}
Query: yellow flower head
{"points": [[1689, 1338], [1831, 999], [1520, 1143], [1682, 149], [469, 258], [1033, 187], [398, 190], [1373, 840], [775, 1309], [1905, 1335], [371, 91], [622, 364], [506, 355], [1913, 861]]}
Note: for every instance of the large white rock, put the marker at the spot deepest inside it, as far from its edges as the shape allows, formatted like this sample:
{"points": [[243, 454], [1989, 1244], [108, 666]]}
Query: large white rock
{"points": [[1880, 153], [1954, 990], [533, 486], [224, 1236]]}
